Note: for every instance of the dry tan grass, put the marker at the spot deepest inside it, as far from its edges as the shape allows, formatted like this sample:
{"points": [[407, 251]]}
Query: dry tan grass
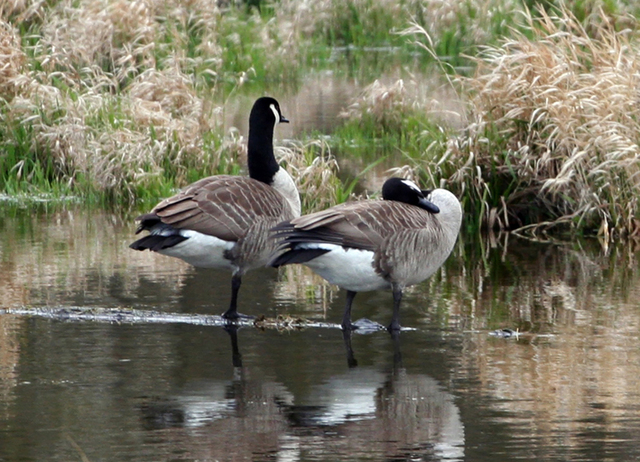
{"points": [[74, 100], [472, 18], [385, 105], [314, 170], [22, 10], [308, 17], [90, 43], [112, 98], [556, 117], [12, 62]]}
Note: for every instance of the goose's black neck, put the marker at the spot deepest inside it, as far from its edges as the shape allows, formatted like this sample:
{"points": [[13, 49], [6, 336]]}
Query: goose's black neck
{"points": [[262, 162]]}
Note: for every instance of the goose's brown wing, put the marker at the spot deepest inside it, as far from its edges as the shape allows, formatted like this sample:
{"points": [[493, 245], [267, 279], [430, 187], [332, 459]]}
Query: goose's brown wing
{"points": [[360, 225], [223, 206]]}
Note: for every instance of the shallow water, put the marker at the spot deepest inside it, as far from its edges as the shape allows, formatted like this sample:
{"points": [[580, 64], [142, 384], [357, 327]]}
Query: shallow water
{"points": [[564, 388]]}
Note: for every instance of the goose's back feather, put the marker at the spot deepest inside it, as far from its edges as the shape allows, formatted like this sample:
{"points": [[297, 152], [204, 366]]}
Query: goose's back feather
{"points": [[361, 225], [223, 206]]}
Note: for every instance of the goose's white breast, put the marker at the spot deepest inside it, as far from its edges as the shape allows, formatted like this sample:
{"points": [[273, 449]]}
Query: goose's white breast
{"points": [[351, 269], [201, 250]]}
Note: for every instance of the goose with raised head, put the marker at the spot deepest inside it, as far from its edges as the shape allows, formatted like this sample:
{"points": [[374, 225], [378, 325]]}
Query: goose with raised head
{"points": [[223, 221], [375, 244]]}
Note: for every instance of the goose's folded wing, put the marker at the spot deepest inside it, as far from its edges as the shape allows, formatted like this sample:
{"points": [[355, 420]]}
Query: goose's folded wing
{"points": [[359, 225], [223, 206]]}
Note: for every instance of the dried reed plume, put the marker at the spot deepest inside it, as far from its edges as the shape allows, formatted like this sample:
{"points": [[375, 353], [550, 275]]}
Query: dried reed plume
{"points": [[555, 138], [12, 61]]}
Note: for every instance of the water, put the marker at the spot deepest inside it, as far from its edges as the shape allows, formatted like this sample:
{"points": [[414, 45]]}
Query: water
{"points": [[564, 388]]}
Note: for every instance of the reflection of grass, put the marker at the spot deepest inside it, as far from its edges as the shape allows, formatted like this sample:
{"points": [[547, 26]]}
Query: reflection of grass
{"points": [[53, 250]]}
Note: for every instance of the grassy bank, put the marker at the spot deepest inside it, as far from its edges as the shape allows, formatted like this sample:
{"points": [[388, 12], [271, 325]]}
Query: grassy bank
{"points": [[121, 102], [118, 101], [551, 138], [554, 143]]}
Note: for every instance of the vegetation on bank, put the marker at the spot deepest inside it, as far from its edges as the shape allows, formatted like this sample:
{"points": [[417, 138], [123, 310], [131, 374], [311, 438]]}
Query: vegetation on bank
{"points": [[121, 102], [554, 143]]}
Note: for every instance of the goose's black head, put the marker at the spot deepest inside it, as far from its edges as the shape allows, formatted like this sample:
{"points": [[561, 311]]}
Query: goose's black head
{"points": [[265, 115], [397, 189]]}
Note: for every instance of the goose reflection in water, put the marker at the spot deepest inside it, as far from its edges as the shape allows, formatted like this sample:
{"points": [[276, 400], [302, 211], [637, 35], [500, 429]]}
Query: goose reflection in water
{"points": [[358, 412]]}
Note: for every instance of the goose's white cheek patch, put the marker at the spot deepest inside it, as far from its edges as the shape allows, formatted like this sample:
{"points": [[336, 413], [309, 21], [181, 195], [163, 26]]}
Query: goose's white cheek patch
{"points": [[412, 185], [275, 113]]}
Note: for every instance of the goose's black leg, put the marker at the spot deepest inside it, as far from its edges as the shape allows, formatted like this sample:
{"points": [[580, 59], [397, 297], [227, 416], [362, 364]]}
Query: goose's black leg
{"points": [[351, 360], [397, 298], [346, 318], [232, 313]]}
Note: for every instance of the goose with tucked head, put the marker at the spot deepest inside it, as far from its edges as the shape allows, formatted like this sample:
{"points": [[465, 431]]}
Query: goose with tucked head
{"points": [[372, 245], [223, 221]]}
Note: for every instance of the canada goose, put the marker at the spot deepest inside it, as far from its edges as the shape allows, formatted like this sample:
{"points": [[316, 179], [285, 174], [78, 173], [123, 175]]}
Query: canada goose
{"points": [[223, 221], [373, 245]]}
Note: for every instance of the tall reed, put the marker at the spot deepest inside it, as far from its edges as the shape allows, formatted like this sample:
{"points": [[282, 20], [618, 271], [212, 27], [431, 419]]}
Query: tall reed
{"points": [[555, 129]]}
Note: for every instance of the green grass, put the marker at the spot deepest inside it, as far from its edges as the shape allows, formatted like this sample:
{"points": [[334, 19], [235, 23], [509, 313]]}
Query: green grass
{"points": [[369, 141]]}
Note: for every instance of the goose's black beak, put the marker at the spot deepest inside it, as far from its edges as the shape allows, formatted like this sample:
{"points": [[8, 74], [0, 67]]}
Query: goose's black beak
{"points": [[284, 120], [428, 206]]}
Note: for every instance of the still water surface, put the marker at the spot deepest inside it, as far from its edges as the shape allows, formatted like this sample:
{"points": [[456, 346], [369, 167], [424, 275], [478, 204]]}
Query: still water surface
{"points": [[566, 388]]}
